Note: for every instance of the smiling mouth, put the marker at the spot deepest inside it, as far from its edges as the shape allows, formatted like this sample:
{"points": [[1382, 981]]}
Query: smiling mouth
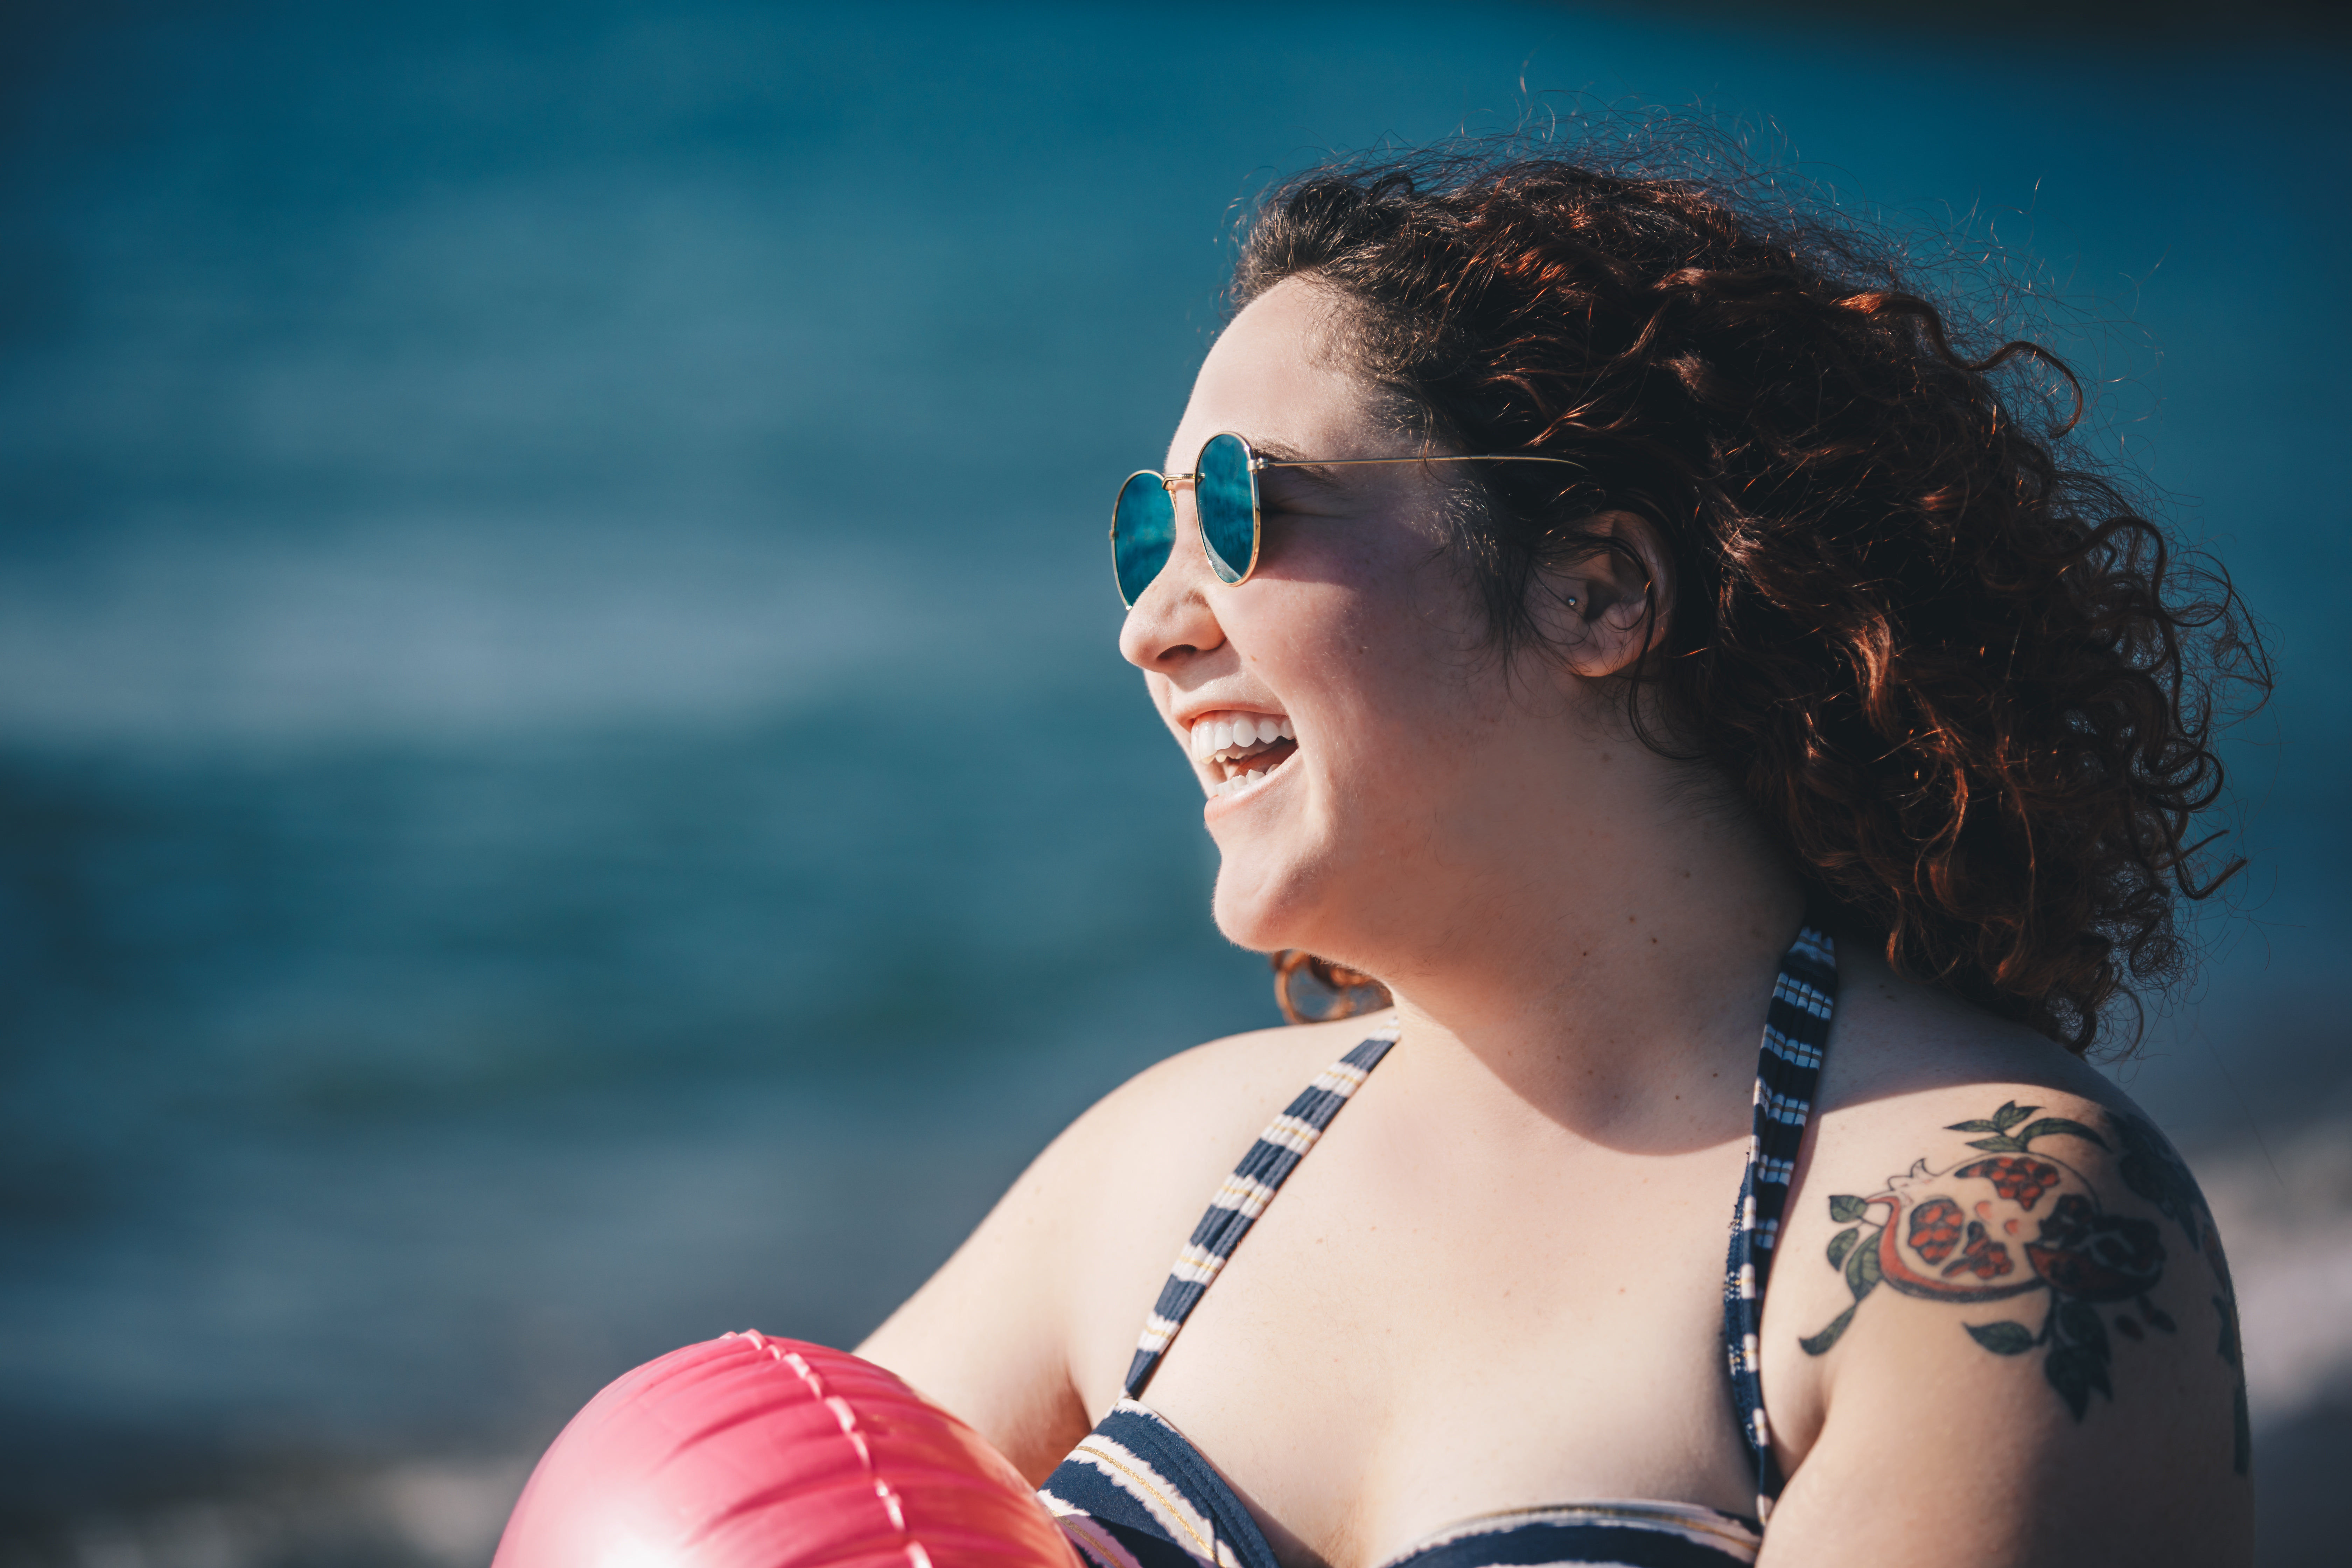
{"points": [[1239, 751]]}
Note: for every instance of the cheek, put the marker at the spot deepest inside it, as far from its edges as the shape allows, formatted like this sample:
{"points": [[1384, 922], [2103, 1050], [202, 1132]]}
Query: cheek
{"points": [[1407, 717], [1354, 639], [1385, 690], [1373, 657]]}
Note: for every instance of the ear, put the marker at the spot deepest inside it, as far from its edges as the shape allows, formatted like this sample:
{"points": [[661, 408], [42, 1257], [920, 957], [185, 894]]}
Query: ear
{"points": [[1602, 609]]}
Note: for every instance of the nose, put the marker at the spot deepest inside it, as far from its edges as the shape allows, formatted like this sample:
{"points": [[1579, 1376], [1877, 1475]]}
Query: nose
{"points": [[1173, 622]]}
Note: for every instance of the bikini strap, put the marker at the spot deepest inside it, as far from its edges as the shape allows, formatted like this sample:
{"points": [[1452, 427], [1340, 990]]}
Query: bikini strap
{"points": [[1788, 1074], [1244, 1198]]}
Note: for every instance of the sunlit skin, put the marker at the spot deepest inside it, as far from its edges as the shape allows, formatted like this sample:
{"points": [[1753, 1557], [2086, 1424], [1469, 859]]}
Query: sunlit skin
{"points": [[1496, 1283], [1420, 825]]}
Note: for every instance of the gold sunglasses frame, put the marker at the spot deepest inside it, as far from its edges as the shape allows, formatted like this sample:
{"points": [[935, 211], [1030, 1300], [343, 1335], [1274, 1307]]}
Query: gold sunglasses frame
{"points": [[1258, 464]]}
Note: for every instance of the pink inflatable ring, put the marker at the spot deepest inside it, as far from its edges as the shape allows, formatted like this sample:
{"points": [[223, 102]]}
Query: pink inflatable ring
{"points": [[748, 1452]]}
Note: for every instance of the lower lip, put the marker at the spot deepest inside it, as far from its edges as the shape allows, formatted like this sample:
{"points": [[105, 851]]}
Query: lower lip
{"points": [[1215, 804]]}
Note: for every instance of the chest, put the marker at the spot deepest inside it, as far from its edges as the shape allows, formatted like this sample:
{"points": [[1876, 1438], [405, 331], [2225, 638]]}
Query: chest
{"points": [[1411, 1336]]}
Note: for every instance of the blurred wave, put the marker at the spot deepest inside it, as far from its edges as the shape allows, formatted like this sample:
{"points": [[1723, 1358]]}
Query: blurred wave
{"points": [[563, 786]]}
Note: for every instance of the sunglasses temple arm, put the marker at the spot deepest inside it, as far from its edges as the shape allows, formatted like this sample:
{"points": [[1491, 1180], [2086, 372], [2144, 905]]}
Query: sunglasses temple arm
{"points": [[1473, 457]]}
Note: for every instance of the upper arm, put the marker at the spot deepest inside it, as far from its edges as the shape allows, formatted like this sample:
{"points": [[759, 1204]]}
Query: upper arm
{"points": [[2022, 1348], [986, 1337]]}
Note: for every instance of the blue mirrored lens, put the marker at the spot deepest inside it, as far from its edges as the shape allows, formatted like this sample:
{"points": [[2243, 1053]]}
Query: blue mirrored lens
{"points": [[1226, 493], [1142, 531]]}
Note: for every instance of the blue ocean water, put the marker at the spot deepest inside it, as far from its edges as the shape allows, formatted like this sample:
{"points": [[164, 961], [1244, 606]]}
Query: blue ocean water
{"points": [[564, 781]]}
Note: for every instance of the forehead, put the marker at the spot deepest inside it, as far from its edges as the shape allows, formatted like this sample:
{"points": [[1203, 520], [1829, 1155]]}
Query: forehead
{"points": [[1273, 378]]}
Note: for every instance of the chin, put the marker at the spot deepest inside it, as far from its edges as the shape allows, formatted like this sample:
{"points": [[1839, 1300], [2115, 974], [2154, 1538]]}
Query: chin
{"points": [[1265, 907]]}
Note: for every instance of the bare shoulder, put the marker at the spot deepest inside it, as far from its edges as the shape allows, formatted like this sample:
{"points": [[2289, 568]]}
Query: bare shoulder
{"points": [[1198, 1097], [1141, 1167], [1027, 1331], [1996, 1271]]}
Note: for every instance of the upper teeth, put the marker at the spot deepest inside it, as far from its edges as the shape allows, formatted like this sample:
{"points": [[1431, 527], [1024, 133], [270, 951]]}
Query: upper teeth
{"points": [[1237, 731]]}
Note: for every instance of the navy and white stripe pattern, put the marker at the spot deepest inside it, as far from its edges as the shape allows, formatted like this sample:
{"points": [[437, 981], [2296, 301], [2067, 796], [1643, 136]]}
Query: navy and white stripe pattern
{"points": [[1592, 1535], [1788, 1074], [1244, 1198], [1138, 1494], [1135, 1494]]}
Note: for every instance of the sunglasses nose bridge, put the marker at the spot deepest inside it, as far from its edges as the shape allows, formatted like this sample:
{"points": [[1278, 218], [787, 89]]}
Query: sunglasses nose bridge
{"points": [[1185, 526], [1184, 519]]}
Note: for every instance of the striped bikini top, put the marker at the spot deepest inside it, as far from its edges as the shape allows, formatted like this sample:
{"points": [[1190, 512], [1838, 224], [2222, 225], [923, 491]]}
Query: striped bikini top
{"points": [[1137, 1494]]}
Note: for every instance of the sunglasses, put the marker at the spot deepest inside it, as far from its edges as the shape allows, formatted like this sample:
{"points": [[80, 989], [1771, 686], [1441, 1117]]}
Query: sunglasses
{"points": [[1225, 490]]}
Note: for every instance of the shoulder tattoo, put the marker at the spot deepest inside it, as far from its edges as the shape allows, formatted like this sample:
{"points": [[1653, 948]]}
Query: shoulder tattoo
{"points": [[1980, 1232]]}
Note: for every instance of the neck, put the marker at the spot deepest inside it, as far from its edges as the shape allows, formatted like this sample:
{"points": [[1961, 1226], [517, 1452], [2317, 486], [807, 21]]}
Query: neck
{"points": [[1613, 978]]}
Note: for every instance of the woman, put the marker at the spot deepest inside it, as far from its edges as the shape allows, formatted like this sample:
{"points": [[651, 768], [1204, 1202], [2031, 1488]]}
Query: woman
{"points": [[1797, 690]]}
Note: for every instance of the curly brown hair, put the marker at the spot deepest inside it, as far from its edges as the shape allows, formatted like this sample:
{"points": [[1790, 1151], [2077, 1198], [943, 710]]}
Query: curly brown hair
{"points": [[1972, 688]]}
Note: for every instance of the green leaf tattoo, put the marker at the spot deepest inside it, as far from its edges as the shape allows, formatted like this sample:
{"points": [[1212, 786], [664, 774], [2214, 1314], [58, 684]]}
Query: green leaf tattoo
{"points": [[1843, 1243], [1862, 1274], [2050, 1124], [2154, 1173], [2003, 1338], [1862, 1271], [1980, 1232], [1818, 1344]]}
